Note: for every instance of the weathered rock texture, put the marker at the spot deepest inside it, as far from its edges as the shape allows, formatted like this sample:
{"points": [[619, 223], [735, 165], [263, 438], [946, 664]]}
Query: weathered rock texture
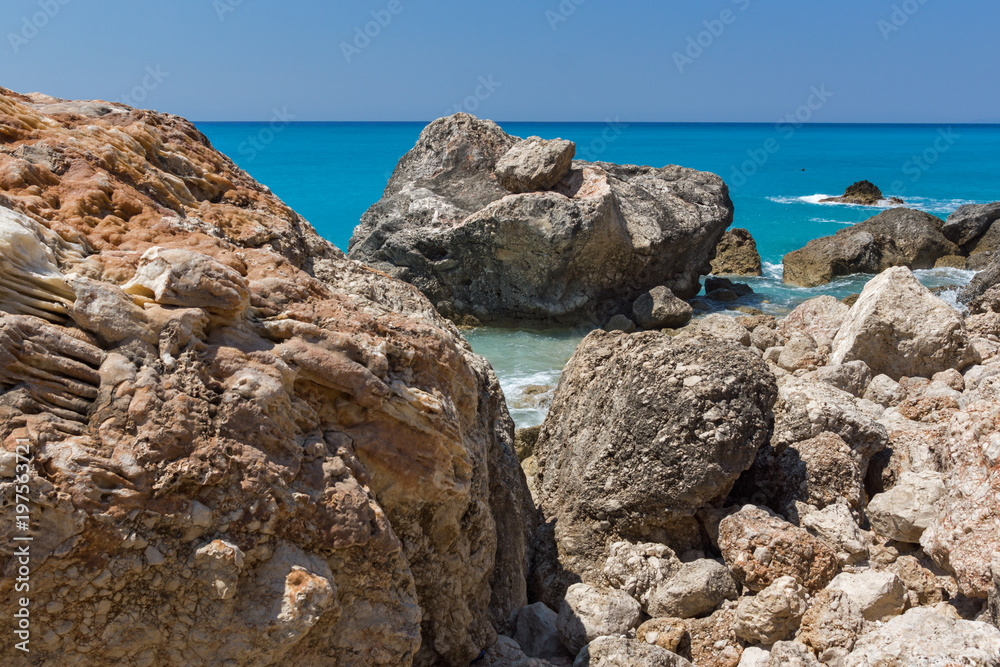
{"points": [[255, 452], [535, 164], [897, 237], [737, 255], [580, 251], [644, 431]]}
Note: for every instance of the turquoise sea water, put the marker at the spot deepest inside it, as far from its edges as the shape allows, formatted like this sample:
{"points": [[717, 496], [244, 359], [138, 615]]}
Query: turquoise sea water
{"points": [[332, 172]]}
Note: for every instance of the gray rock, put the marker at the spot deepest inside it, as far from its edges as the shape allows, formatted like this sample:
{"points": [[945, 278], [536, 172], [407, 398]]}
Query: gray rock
{"points": [[994, 599], [620, 323], [587, 613], [852, 377], [535, 164], [694, 590], [885, 391], [800, 353], [836, 526], [764, 338], [581, 252], [639, 569], [536, 632], [772, 614], [970, 222], [792, 654], [644, 430], [906, 510], [620, 652], [660, 309], [833, 621], [879, 595], [723, 327]]}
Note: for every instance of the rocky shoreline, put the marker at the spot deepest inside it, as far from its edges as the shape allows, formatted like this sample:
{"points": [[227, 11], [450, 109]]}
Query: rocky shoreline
{"points": [[248, 448]]}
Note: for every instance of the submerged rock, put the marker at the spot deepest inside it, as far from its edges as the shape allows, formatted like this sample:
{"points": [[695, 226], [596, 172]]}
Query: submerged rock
{"points": [[737, 255], [579, 252]]}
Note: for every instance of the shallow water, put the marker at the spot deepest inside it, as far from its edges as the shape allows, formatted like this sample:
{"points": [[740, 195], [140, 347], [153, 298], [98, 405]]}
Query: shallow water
{"points": [[332, 172]]}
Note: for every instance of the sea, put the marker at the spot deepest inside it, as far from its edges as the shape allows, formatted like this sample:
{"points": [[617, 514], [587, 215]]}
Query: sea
{"points": [[777, 174]]}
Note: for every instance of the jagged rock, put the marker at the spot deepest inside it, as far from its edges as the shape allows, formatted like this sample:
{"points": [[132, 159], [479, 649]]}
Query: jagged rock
{"points": [[834, 620], [712, 641], [792, 654], [580, 252], [968, 223], [951, 262], [836, 526], [819, 319], [879, 595], [737, 255], [587, 613], [638, 569], [800, 353], [507, 653], [772, 614], [896, 238], [900, 329], [667, 633], [994, 600], [525, 440], [722, 327], [621, 652], [269, 453], [537, 634], [764, 338], [853, 377], [692, 411], [760, 548], [921, 584], [535, 164], [660, 309], [926, 636], [885, 391], [905, 511], [694, 590], [862, 193]]}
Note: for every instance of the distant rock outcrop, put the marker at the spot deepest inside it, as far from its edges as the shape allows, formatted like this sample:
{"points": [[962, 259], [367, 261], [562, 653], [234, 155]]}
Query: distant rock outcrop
{"points": [[737, 255], [862, 193], [579, 250]]}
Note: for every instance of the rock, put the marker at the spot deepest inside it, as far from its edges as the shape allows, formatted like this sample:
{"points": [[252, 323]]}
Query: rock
{"points": [[905, 511], [923, 636], [587, 613], [834, 620], [970, 222], [723, 327], [836, 526], [951, 262], [792, 654], [667, 633], [898, 237], [737, 255], [660, 309], [772, 614], [852, 377], [578, 253], [755, 656], [507, 653], [715, 284], [621, 652], [900, 329], [536, 632], [694, 411], [994, 600], [525, 440], [800, 353], [535, 164], [639, 569], [712, 641], [760, 548], [952, 378], [819, 319], [764, 338], [879, 595], [921, 584], [862, 193], [620, 323], [850, 300], [885, 391], [359, 499], [694, 589], [982, 294]]}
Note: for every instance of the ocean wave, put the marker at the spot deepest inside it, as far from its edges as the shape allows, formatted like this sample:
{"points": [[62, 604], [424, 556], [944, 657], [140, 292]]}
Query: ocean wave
{"points": [[774, 271], [941, 207], [830, 220], [818, 199]]}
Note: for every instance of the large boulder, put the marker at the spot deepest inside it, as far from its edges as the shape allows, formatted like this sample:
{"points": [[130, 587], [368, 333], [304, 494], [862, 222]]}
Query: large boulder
{"points": [[579, 252], [535, 164], [737, 255], [970, 222], [644, 431], [905, 511], [897, 237], [588, 612], [258, 452], [879, 595], [900, 329], [660, 309], [772, 614]]}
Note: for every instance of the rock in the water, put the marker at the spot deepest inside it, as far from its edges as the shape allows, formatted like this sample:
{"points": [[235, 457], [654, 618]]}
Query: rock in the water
{"points": [[694, 412], [580, 252], [587, 613], [897, 237], [968, 223], [660, 309], [905, 511], [927, 636], [621, 652], [263, 453], [760, 548], [862, 193], [772, 614], [535, 164], [737, 255], [900, 329], [834, 620], [537, 634], [879, 595]]}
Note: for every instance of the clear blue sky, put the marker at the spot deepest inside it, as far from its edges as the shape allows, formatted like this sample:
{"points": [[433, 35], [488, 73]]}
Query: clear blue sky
{"points": [[934, 61]]}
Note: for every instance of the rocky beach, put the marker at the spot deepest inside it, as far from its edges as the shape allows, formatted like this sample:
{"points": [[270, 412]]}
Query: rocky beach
{"points": [[239, 445]]}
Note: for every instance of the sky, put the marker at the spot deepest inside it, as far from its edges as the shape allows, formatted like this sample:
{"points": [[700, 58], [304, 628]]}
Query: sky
{"points": [[865, 61]]}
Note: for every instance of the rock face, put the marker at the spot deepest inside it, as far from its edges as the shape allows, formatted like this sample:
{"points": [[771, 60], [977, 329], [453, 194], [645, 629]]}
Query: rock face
{"points": [[897, 237], [862, 193], [579, 252], [737, 255], [644, 431], [899, 328], [534, 165], [246, 449]]}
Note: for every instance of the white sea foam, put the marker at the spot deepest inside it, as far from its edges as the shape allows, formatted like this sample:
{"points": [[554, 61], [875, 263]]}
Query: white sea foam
{"points": [[940, 207], [774, 271]]}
